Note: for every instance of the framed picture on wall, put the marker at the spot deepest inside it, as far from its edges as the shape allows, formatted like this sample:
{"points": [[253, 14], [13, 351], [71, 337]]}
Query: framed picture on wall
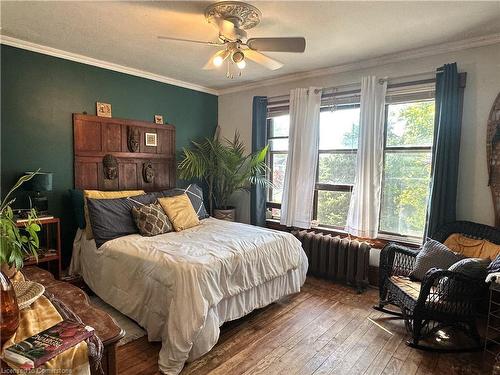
{"points": [[158, 119], [151, 139], [103, 109]]}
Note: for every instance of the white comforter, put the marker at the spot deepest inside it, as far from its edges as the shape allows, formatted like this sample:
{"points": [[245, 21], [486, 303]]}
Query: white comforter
{"points": [[182, 286]]}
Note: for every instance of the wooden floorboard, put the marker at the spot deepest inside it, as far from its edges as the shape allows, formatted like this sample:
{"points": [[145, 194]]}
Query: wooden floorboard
{"points": [[326, 329]]}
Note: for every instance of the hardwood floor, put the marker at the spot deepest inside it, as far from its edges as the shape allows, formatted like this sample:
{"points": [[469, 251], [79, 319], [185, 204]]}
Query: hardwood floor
{"points": [[325, 329]]}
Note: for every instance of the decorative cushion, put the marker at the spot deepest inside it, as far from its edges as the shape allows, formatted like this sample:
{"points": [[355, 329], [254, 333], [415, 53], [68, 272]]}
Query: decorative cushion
{"points": [[98, 194], [433, 254], [495, 265], [195, 194], [472, 248], [180, 211], [76, 197], [112, 218], [475, 268], [151, 220]]}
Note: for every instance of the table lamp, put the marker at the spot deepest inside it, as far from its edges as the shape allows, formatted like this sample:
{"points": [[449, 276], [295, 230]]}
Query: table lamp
{"points": [[42, 181]]}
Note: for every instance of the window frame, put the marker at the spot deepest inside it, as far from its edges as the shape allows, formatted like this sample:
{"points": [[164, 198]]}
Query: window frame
{"points": [[341, 188], [399, 149], [417, 96], [269, 160]]}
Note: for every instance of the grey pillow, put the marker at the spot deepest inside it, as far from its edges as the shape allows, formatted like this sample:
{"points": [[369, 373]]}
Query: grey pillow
{"points": [[475, 268], [433, 254], [111, 218], [195, 194]]}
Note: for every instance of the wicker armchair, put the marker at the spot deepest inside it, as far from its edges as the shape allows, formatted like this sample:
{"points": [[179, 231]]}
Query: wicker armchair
{"points": [[443, 299]]}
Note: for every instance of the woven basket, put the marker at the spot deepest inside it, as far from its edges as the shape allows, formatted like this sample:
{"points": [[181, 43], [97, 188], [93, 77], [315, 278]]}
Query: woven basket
{"points": [[27, 292]]}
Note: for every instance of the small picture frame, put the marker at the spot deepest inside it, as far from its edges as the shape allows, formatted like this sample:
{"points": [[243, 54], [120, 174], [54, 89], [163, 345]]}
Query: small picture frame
{"points": [[103, 109], [150, 139], [158, 119]]}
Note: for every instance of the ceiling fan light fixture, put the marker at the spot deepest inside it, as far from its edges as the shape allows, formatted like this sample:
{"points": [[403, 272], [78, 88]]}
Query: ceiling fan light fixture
{"points": [[218, 60], [241, 64], [237, 56], [220, 57]]}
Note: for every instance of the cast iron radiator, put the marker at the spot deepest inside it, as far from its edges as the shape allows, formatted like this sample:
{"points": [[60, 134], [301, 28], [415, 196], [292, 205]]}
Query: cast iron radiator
{"points": [[335, 258]]}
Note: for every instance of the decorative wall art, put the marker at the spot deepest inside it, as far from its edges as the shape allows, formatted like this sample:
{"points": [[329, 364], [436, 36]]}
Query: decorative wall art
{"points": [[158, 119], [133, 139], [110, 167], [151, 139], [103, 109], [493, 156], [148, 173]]}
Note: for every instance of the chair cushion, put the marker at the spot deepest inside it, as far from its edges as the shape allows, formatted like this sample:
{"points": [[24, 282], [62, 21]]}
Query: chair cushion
{"points": [[471, 247], [433, 254], [410, 287]]}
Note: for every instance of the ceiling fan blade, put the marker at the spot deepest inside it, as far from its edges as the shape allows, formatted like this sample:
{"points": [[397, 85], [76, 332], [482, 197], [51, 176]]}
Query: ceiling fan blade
{"points": [[277, 44], [210, 63], [262, 59], [190, 40], [226, 28]]}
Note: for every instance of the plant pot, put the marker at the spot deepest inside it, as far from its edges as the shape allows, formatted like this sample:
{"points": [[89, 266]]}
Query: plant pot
{"points": [[227, 214], [9, 310], [10, 272]]}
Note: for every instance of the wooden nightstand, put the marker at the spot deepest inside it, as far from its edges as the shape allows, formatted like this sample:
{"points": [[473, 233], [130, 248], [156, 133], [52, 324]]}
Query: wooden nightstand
{"points": [[50, 245]]}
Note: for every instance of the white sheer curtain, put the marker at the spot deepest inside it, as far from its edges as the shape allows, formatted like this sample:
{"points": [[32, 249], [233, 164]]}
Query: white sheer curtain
{"points": [[363, 216], [300, 176]]}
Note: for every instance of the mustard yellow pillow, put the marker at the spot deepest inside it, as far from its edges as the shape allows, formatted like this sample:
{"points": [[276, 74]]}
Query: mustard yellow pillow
{"points": [[99, 194], [472, 248], [180, 211]]}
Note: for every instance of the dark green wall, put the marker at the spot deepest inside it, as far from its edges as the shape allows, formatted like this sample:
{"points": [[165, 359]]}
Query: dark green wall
{"points": [[39, 95]]}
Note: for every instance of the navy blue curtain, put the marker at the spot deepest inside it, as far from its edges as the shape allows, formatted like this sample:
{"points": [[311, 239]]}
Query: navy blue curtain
{"points": [[259, 140], [446, 149]]}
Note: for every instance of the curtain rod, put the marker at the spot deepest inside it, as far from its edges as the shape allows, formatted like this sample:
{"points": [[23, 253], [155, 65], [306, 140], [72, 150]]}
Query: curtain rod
{"points": [[336, 88]]}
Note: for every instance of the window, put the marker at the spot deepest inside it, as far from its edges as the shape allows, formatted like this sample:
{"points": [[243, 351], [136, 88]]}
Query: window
{"points": [[407, 168], [277, 130], [338, 144], [408, 140]]}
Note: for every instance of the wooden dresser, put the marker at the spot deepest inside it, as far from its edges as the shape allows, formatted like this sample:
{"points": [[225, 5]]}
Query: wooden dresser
{"points": [[105, 326]]}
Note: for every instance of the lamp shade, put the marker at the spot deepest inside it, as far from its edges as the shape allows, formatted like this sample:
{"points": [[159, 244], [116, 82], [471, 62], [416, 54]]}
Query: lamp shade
{"points": [[42, 181]]}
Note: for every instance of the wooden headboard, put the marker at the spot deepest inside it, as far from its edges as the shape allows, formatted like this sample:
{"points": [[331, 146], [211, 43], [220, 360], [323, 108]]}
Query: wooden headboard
{"points": [[111, 154]]}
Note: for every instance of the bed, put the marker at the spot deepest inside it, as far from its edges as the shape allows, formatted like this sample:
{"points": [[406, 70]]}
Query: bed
{"points": [[180, 286]]}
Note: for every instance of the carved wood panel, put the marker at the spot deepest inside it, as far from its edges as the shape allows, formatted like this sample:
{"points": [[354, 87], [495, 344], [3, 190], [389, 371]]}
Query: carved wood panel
{"points": [[117, 139], [493, 155]]}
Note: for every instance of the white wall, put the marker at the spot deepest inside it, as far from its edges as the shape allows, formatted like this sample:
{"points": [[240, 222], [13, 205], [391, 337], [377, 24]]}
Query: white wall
{"points": [[483, 84]]}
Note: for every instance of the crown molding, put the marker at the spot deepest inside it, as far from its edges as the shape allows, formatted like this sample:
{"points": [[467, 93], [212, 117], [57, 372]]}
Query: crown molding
{"points": [[432, 50], [19, 43]]}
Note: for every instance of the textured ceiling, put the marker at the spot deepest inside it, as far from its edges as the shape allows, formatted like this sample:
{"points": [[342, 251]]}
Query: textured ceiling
{"points": [[126, 33]]}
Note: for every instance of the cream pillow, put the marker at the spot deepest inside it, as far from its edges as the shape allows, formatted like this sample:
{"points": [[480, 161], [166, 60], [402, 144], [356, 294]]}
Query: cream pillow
{"points": [[180, 211], [100, 194]]}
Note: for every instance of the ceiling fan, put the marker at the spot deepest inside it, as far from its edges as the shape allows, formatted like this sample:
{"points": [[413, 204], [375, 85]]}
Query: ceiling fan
{"points": [[232, 18]]}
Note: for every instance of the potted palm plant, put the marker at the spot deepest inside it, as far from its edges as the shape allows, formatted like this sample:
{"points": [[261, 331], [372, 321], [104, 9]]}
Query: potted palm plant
{"points": [[16, 243], [225, 168]]}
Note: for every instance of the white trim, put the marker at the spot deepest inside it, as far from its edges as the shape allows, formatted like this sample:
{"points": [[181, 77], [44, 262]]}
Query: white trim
{"points": [[432, 50], [436, 49], [19, 43]]}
